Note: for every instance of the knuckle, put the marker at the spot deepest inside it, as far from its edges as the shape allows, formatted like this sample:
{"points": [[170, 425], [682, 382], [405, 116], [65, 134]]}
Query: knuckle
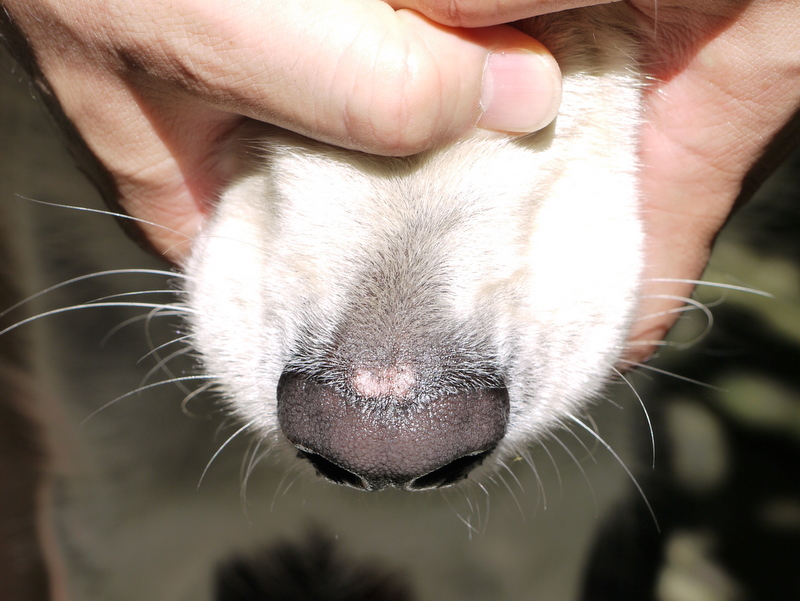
{"points": [[461, 13], [402, 112]]}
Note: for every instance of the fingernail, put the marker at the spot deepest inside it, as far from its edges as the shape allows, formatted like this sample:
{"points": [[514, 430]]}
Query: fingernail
{"points": [[521, 91]]}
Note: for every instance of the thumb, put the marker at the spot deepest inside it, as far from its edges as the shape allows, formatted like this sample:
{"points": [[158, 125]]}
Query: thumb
{"points": [[358, 74], [399, 83], [153, 86]]}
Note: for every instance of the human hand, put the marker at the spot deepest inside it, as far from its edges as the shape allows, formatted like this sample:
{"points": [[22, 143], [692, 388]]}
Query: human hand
{"points": [[726, 81], [725, 78], [152, 87]]}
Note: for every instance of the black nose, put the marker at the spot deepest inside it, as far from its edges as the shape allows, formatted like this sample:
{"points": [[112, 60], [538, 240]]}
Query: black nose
{"points": [[401, 438]]}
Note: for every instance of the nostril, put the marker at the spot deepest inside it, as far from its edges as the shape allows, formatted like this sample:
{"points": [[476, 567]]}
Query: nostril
{"points": [[334, 473], [451, 473], [417, 441]]}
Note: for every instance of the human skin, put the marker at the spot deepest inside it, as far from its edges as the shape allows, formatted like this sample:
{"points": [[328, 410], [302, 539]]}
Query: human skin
{"points": [[152, 87]]}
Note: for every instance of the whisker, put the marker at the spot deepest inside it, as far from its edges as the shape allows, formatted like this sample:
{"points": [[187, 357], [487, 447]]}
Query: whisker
{"points": [[692, 305], [474, 508], [154, 350], [280, 491], [162, 362], [248, 464], [245, 427], [555, 467], [124, 216], [196, 392], [471, 528], [118, 295], [90, 305], [577, 462], [164, 345], [131, 320], [644, 410], [706, 284], [664, 372], [86, 277], [147, 319], [483, 516], [140, 390], [589, 452], [613, 453], [254, 461], [671, 344], [510, 490], [539, 483], [513, 475], [105, 213]]}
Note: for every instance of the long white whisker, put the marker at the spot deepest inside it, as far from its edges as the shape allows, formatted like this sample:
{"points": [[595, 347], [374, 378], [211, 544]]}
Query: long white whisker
{"points": [[86, 277], [693, 304], [714, 285], [124, 216], [479, 524], [105, 213], [197, 391], [482, 508], [475, 519], [580, 467], [244, 471], [169, 310], [182, 310], [161, 365], [255, 459], [120, 326], [613, 453], [510, 491], [555, 467], [589, 452], [644, 410], [140, 390], [155, 350], [471, 528], [513, 475], [118, 295], [164, 345], [484, 521], [540, 485], [664, 372], [220, 449], [284, 491]]}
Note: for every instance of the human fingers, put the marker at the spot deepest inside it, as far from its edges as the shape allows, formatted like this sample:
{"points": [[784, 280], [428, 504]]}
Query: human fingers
{"points": [[483, 13], [354, 73], [152, 87]]}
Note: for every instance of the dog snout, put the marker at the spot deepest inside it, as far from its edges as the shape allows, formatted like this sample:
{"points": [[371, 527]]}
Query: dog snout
{"points": [[388, 429]]}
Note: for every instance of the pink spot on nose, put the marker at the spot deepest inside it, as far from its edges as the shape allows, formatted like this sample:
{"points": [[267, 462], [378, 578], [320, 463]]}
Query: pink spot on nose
{"points": [[397, 381]]}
